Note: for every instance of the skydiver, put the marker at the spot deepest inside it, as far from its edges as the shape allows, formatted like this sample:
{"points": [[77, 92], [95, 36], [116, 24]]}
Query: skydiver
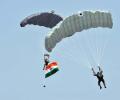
{"points": [[52, 11], [46, 60], [99, 76], [44, 86]]}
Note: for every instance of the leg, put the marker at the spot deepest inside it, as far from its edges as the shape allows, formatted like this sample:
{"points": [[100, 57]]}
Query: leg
{"points": [[99, 84], [104, 83], [44, 67]]}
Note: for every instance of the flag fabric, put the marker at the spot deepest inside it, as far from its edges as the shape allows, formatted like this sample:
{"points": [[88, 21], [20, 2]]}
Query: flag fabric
{"points": [[51, 69]]}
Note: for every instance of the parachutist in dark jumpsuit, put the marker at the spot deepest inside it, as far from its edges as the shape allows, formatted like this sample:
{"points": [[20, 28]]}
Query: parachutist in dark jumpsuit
{"points": [[99, 76], [44, 86], [46, 60]]}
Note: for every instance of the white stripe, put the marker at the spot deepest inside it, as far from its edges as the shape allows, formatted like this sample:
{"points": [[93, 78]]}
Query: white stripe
{"points": [[53, 67]]}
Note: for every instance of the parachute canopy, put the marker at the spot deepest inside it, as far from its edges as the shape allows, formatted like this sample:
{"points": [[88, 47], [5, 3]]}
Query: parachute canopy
{"points": [[76, 23], [51, 69], [47, 19]]}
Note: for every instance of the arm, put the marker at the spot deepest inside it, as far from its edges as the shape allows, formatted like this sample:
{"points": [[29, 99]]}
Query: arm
{"points": [[100, 70], [44, 61], [93, 72], [44, 67]]}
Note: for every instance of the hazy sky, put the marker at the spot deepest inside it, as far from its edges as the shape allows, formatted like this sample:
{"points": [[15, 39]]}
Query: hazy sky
{"points": [[22, 49]]}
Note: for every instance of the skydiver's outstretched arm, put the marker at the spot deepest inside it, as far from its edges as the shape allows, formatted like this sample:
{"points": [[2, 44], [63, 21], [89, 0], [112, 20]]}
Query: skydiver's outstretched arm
{"points": [[100, 70], [44, 67], [93, 72]]}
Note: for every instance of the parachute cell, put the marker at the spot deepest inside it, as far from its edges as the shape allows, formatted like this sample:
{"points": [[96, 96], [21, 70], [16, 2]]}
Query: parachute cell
{"points": [[42, 19], [76, 23]]}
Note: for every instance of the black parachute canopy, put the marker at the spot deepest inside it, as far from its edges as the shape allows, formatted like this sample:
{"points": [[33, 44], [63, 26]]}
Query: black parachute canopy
{"points": [[47, 19]]}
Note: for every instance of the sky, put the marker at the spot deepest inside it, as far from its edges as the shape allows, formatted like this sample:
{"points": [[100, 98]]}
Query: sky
{"points": [[22, 49]]}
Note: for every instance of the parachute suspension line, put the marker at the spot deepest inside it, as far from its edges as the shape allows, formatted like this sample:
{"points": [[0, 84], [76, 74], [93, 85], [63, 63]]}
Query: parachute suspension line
{"points": [[101, 53], [89, 48], [94, 44], [70, 57], [69, 52], [84, 49], [42, 47], [96, 47], [101, 47], [103, 50], [80, 49]]}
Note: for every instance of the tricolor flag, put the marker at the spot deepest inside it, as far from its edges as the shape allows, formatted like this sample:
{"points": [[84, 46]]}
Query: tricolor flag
{"points": [[51, 69]]}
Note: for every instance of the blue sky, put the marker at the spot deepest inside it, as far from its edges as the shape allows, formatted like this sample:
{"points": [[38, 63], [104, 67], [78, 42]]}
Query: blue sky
{"points": [[21, 54]]}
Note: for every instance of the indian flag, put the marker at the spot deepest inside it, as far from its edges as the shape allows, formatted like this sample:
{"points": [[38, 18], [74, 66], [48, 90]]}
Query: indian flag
{"points": [[51, 69]]}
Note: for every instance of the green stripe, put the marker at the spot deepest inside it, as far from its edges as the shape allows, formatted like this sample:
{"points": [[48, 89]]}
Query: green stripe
{"points": [[53, 71]]}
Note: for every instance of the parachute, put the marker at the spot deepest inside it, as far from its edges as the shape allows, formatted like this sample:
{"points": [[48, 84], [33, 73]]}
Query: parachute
{"points": [[77, 23], [47, 19]]}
